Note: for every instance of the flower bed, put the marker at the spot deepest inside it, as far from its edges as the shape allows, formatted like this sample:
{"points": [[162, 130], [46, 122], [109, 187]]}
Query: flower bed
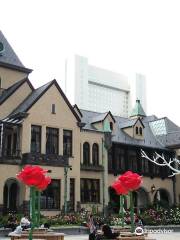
{"points": [[161, 216], [151, 216]]}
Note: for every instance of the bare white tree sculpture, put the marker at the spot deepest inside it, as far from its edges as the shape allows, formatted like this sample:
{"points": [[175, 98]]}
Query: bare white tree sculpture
{"points": [[160, 160]]}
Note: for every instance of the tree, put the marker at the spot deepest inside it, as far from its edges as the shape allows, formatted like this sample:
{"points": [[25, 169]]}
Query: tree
{"points": [[160, 160]]}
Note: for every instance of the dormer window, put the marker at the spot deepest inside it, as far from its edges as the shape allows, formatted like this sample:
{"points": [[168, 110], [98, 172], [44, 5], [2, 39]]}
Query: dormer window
{"points": [[111, 126], [137, 130], [140, 130]]}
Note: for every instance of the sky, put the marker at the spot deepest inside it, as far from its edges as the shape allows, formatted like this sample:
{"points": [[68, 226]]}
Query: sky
{"points": [[125, 36]]}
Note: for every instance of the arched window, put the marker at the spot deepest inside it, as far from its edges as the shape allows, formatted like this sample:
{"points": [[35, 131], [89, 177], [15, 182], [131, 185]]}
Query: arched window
{"points": [[111, 126], [86, 153], [137, 130], [162, 198], [140, 130], [95, 154]]}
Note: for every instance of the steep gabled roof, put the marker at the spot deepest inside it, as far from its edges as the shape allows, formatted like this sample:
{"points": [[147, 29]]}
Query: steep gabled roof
{"points": [[157, 138], [149, 139], [138, 110], [37, 94], [78, 110], [8, 92], [101, 116], [8, 57], [119, 136], [130, 123], [167, 132]]}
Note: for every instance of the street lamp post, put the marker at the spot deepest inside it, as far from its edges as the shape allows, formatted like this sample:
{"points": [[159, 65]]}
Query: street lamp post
{"points": [[65, 187]]}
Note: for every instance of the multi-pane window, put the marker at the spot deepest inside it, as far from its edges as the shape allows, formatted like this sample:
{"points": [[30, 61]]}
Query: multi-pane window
{"points": [[50, 198], [132, 160], [144, 165], [137, 130], [35, 139], [95, 154], [52, 140], [119, 158], [15, 144], [140, 130], [67, 142], [90, 190], [111, 126], [72, 194], [86, 153]]}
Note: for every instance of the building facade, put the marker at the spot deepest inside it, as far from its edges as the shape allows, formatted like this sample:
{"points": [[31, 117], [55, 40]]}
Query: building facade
{"points": [[83, 150], [84, 84]]}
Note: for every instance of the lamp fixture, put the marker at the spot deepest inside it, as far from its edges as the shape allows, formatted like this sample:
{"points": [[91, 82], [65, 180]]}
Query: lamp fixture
{"points": [[153, 188]]}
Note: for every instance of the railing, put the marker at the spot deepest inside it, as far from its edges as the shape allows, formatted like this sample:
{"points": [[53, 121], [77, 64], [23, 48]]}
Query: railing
{"points": [[10, 157], [11, 153], [45, 159]]}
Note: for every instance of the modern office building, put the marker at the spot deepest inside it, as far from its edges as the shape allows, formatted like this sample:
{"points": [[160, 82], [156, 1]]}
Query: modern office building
{"points": [[101, 90]]}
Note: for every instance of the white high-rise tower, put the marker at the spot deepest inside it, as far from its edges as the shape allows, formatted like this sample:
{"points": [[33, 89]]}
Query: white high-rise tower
{"points": [[101, 90]]}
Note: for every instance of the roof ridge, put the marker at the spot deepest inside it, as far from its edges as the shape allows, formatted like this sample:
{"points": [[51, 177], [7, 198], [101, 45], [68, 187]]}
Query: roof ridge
{"points": [[92, 111], [33, 92], [9, 91], [11, 57], [33, 97], [45, 84]]}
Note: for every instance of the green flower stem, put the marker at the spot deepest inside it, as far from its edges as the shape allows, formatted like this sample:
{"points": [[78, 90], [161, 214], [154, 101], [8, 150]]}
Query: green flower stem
{"points": [[32, 210], [38, 209], [121, 210], [132, 211]]}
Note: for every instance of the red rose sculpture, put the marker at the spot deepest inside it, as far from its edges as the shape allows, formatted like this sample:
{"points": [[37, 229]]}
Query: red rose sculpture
{"points": [[119, 188], [34, 176], [125, 183], [130, 180]]}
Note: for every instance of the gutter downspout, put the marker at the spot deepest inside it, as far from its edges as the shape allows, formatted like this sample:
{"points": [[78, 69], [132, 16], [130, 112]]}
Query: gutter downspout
{"points": [[1, 139], [103, 182]]}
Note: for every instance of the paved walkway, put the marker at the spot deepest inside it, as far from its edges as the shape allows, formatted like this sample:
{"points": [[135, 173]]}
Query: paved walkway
{"points": [[172, 236]]}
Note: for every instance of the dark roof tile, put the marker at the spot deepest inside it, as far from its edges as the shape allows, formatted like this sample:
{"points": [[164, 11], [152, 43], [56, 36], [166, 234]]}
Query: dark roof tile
{"points": [[9, 56], [8, 92]]}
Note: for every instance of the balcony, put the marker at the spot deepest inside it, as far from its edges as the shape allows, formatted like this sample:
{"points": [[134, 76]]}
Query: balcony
{"points": [[94, 168], [45, 159], [10, 157]]}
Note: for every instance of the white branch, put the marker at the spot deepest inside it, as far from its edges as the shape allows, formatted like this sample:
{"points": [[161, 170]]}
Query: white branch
{"points": [[164, 162]]}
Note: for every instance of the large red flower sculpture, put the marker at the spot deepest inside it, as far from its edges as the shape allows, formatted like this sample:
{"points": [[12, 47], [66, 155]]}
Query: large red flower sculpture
{"points": [[119, 188], [128, 181], [34, 176]]}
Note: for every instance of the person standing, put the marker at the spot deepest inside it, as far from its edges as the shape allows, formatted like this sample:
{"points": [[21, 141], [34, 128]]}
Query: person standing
{"points": [[92, 227]]}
